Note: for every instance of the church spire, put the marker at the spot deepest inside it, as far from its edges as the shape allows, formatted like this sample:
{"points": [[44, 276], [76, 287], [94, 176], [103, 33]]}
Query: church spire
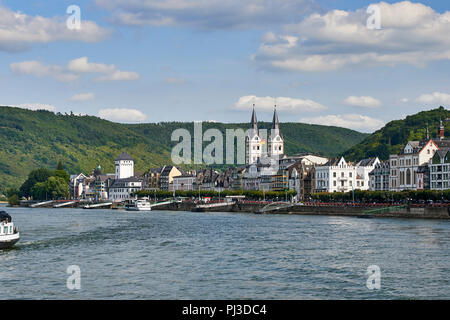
{"points": [[254, 121], [275, 122]]}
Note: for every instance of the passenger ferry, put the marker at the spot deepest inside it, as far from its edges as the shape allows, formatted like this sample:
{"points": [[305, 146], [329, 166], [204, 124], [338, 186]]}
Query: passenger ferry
{"points": [[139, 205], [9, 234]]}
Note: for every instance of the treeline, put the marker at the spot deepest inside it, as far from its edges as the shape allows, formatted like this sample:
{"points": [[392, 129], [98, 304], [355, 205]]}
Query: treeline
{"points": [[249, 194], [392, 138], [383, 196], [42, 184]]}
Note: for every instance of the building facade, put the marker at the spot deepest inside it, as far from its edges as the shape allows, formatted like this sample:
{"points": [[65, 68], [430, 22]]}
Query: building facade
{"points": [[379, 177], [440, 170], [339, 176], [124, 166], [405, 165]]}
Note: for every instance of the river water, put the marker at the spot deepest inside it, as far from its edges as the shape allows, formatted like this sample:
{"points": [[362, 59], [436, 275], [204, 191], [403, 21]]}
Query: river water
{"points": [[186, 255]]}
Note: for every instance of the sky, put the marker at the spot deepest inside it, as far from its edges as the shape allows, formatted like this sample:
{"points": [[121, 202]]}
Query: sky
{"points": [[320, 61]]}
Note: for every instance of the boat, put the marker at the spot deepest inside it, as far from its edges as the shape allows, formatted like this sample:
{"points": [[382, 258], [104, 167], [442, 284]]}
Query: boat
{"points": [[139, 205], [9, 234]]}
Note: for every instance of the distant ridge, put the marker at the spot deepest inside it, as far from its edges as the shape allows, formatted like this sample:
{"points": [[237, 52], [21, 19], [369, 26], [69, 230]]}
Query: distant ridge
{"points": [[33, 139], [394, 135]]}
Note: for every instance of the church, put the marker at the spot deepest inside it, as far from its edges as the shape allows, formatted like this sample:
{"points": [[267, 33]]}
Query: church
{"points": [[256, 142]]}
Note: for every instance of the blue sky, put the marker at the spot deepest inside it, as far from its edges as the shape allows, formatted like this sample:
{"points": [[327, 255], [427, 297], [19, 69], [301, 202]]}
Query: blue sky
{"points": [[188, 60]]}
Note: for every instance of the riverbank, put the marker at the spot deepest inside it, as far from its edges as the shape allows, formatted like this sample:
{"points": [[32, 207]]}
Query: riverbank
{"points": [[329, 210], [362, 211]]}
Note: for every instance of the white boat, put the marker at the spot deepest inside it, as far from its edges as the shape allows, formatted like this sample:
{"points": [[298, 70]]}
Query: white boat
{"points": [[9, 234], [139, 205]]}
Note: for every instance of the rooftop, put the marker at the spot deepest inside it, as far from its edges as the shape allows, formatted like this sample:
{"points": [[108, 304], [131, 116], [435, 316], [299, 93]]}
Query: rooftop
{"points": [[124, 156]]}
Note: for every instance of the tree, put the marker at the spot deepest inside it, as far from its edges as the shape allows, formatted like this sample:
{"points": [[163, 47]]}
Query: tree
{"points": [[60, 172], [53, 188], [13, 196], [35, 176], [13, 200]]}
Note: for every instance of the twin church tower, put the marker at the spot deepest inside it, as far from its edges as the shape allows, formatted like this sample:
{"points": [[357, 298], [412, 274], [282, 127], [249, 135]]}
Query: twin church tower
{"points": [[254, 141]]}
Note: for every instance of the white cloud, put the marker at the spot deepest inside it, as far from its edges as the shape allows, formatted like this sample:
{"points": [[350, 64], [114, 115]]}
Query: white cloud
{"points": [[83, 65], [207, 14], [40, 70], [412, 33], [283, 103], [363, 101], [434, 98], [118, 75], [83, 97], [122, 115], [18, 31], [73, 70], [36, 106], [111, 72], [404, 100], [351, 121]]}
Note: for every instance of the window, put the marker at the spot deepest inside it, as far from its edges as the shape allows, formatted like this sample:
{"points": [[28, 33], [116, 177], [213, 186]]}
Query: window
{"points": [[5, 229], [334, 174]]}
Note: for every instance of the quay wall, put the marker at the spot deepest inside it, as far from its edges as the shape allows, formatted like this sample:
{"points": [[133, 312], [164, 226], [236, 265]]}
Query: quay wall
{"points": [[409, 212], [329, 210]]}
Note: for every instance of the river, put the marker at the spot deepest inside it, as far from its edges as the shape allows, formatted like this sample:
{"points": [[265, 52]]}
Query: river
{"points": [[186, 255]]}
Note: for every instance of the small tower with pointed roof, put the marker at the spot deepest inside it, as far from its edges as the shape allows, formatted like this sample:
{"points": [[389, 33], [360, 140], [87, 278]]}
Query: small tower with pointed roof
{"points": [[253, 148], [275, 145], [124, 166]]}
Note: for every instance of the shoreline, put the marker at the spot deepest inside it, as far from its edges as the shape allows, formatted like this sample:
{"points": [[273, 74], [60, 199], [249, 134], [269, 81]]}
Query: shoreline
{"points": [[409, 212]]}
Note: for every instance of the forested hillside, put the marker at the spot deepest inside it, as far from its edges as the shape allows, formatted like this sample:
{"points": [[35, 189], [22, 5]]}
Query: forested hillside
{"points": [[34, 139], [392, 137]]}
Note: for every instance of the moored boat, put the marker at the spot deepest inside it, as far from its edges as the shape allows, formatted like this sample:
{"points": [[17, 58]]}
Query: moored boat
{"points": [[9, 234], [139, 205]]}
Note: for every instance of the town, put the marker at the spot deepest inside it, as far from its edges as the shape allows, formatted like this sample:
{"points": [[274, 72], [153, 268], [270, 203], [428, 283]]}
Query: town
{"points": [[421, 165]]}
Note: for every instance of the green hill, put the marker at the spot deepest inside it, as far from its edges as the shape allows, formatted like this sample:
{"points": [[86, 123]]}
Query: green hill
{"points": [[33, 139], [392, 137]]}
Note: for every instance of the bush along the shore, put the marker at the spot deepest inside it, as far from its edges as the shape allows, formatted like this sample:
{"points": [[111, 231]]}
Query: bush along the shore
{"points": [[249, 194], [42, 184], [383, 196], [13, 196]]}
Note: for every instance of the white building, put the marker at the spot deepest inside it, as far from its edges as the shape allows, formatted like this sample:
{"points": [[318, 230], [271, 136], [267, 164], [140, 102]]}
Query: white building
{"points": [[404, 166], [124, 166], [125, 183], [339, 176], [122, 189], [77, 185], [440, 170]]}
